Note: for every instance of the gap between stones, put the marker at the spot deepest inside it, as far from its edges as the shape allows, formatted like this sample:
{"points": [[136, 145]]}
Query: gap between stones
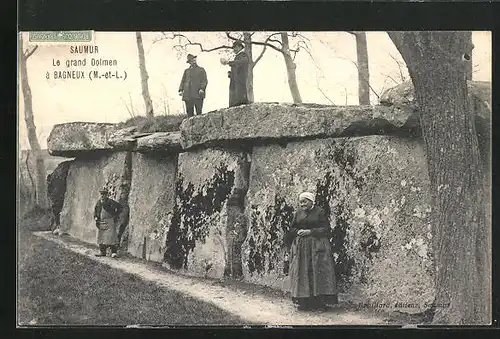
{"points": [[126, 184]]}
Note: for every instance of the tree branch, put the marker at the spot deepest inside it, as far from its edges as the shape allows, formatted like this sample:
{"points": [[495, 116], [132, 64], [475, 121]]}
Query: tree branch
{"points": [[29, 173], [371, 88], [202, 49], [323, 93], [30, 53], [293, 52], [390, 77], [299, 35], [260, 55], [191, 43], [266, 43], [228, 34], [276, 41], [403, 78]]}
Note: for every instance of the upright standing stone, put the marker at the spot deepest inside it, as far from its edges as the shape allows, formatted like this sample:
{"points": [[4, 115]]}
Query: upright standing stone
{"points": [[197, 238], [86, 176], [374, 190], [151, 201]]}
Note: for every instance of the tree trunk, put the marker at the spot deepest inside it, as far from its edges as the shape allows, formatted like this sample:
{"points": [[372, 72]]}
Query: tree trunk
{"points": [[247, 40], [144, 76], [469, 64], [363, 68], [41, 183], [290, 69], [461, 238]]}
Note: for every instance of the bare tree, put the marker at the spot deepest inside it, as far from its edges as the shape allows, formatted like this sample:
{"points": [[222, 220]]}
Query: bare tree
{"points": [[40, 171], [144, 76], [282, 45], [438, 65], [290, 67], [247, 40], [165, 100], [130, 106], [363, 68], [401, 67]]}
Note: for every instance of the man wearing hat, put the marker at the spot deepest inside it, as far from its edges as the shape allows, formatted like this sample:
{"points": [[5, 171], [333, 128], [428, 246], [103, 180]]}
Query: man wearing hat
{"points": [[238, 75], [106, 213], [193, 85]]}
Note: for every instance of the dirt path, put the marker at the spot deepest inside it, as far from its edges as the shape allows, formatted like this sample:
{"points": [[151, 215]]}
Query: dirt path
{"points": [[255, 309]]}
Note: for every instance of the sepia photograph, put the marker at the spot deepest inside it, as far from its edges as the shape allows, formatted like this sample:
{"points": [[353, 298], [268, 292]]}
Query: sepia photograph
{"points": [[254, 178]]}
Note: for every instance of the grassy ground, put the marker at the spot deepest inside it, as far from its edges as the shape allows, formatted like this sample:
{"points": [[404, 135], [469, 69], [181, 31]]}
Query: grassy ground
{"points": [[57, 286]]}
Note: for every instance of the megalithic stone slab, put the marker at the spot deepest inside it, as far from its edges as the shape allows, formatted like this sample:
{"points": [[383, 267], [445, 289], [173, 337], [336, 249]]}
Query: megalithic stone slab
{"points": [[76, 138], [162, 142], [274, 121]]}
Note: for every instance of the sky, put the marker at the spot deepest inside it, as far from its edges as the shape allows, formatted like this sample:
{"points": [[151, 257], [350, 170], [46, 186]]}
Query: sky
{"points": [[327, 75]]}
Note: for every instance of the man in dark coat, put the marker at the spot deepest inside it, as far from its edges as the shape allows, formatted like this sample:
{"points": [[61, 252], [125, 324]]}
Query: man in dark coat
{"points": [[238, 75], [106, 212], [193, 85]]}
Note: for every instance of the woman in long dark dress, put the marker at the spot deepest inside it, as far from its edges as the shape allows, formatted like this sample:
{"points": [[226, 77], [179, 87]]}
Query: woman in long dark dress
{"points": [[312, 272]]}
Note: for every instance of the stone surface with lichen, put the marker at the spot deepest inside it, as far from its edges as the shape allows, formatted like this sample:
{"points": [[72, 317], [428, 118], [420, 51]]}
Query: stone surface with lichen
{"points": [[151, 201], [261, 122], [196, 241], [86, 176], [72, 139], [375, 191]]}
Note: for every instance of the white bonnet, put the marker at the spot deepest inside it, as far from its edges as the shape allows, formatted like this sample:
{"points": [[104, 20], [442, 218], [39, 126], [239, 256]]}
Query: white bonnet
{"points": [[307, 195]]}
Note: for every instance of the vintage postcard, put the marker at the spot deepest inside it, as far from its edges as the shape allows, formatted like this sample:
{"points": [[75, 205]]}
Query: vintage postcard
{"points": [[254, 178]]}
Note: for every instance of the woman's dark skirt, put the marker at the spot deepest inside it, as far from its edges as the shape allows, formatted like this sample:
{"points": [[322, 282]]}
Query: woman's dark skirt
{"points": [[312, 273]]}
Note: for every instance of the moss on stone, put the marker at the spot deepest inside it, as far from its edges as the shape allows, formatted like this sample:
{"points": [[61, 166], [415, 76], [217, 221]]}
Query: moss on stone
{"points": [[266, 235], [192, 210], [159, 123]]}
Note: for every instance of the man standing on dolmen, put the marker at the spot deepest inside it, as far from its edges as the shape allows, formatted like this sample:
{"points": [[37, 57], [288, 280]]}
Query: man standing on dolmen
{"points": [[193, 86], [238, 75]]}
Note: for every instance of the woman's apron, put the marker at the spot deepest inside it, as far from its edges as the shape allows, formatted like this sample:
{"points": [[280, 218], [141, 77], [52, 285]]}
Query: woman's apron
{"points": [[312, 271], [107, 233]]}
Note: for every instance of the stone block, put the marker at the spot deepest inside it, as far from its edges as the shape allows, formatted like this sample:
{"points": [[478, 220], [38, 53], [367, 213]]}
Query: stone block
{"points": [[86, 176], [273, 121], [374, 190], [73, 139], [197, 241], [151, 201], [164, 142]]}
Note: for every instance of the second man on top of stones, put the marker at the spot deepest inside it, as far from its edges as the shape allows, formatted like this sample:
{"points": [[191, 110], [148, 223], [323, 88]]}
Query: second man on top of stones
{"points": [[194, 81]]}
